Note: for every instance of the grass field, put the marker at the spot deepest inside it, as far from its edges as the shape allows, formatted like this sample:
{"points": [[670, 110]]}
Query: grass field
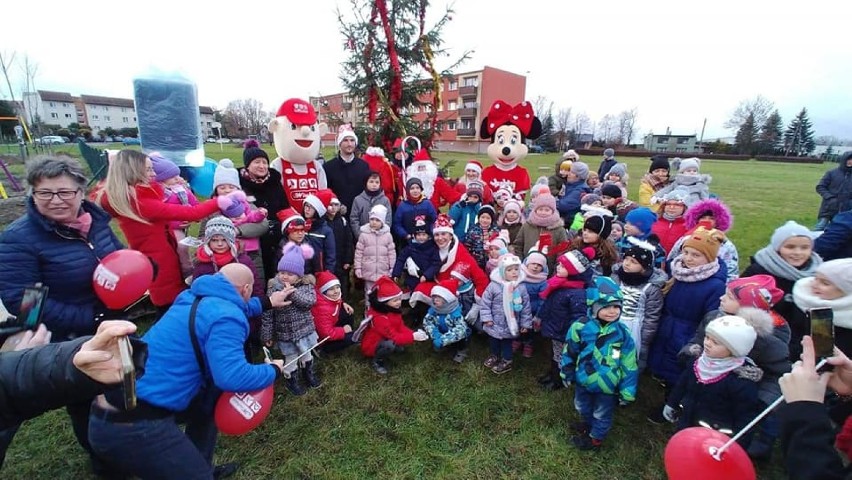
{"points": [[430, 418]]}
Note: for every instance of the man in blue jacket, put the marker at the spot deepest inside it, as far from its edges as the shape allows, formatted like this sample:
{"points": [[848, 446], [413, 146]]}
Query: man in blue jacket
{"points": [[146, 441], [835, 188]]}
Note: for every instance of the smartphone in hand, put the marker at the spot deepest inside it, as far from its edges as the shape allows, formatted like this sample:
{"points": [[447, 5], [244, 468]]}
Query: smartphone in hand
{"points": [[29, 315], [128, 373], [822, 331]]}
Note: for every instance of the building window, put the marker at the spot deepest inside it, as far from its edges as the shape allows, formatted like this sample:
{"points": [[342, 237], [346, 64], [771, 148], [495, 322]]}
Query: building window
{"points": [[451, 125], [124, 119], [680, 149], [454, 85], [134, 119], [466, 124], [209, 124], [471, 82], [67, 115], [662, 149], [123, 109], [452, 105], [439, 126], [52, 104], [662, 139], [682, 140], [427, 108], [106, 117], [94, 117], [54, 115]]}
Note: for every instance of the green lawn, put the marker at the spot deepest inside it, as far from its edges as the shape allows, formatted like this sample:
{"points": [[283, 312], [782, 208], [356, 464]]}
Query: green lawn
{"points": [[432, 418]]}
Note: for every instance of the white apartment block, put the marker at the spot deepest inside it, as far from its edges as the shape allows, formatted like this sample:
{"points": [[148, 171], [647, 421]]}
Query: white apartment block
{"points": [[60, 108]]}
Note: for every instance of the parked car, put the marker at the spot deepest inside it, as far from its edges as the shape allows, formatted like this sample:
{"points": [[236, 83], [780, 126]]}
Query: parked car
{"points": [[211, 140], [536, 149], [131, 141], [50, 140]]}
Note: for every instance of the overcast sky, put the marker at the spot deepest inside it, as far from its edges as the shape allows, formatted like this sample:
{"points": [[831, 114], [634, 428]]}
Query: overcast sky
{"points": [[677, 62]]}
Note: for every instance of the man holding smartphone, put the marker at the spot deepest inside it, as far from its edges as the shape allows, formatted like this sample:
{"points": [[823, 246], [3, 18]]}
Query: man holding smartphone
{"points": [[147, 441]]}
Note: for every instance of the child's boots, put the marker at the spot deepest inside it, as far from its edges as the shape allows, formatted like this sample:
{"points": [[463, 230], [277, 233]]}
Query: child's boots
{"points": [[293, 385], [311, 377]]}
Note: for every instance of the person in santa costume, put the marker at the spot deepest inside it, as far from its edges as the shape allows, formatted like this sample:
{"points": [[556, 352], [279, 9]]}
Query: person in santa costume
{"points": [[435, 188], [473, 173], [296, 135], [508, 128], [375, 158], [453, 255], [382, 331]]}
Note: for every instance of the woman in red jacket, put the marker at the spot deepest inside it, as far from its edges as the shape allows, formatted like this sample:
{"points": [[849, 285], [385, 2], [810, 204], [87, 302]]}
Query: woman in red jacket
{"points": [[131, 195]]}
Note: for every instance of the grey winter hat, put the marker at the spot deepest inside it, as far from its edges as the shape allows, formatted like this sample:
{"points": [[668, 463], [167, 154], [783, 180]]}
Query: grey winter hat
{"points": [[581, 170], [220, 226], [609, 153]]}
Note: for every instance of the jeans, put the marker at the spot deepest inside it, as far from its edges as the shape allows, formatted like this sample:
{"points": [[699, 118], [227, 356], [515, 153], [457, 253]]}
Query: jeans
{"points": [[292, 349], [596, 410], [155, 448], [501, 347]]}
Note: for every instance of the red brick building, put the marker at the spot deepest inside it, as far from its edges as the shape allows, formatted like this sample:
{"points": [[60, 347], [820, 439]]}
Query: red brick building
{"points": [[466, 98]]}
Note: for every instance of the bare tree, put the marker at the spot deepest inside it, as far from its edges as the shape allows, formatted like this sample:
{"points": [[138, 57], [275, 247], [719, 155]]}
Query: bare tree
{"points": [[607, 129], [759, 106], [542, 106], [245, 117], [30, 70], [583, 124], [561, 127], [627, 125], [6, 62]]}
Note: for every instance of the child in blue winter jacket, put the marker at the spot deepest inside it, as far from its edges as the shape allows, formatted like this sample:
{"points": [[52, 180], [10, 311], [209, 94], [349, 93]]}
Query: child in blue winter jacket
{"points": [[535, 271], [420, 259], [444, 322], [409, 210], [600, 360], [564, 302], [465, 212]]}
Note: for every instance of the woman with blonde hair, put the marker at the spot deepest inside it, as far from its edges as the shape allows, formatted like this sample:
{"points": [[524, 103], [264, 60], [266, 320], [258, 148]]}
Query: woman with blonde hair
{"points": [[131, 195]]}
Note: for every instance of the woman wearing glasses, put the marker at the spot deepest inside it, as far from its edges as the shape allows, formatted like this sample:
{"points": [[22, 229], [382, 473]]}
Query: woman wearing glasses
{"points": [[58, 242]]}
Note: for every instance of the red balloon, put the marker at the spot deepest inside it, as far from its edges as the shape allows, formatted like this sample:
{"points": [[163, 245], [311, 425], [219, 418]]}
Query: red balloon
{"points": [[239, 413], [689, 456], [122, 278]]}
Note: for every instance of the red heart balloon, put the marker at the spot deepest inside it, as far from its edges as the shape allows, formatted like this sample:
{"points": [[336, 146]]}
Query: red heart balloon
{"points": [[689, 456], [239, 413], [122, 278]]}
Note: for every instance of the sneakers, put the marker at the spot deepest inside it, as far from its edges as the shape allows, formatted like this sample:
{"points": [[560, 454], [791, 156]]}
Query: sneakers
{"points": [[502, 367], [379, 366], [460, 356], [491, 361], [585, 442], [528, 350], [293, 385], [581, 428], [656, 417], [516, 345]]}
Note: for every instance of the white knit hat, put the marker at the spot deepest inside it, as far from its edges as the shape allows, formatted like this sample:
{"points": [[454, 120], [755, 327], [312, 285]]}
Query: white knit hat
{"points": [[733, 332], [226, 174], [346, 134], [838, 272], [787, 231], [692, 162], [379, 212]]}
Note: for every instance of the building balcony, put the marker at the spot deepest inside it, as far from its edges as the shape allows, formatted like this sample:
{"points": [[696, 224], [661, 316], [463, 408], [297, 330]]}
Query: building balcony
{"points": [[346, 105], [466, 132], [467, 91], [469, 112]]}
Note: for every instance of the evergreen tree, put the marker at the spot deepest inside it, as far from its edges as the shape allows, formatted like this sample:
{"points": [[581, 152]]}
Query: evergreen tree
{"points": [[391, 67], [769, 139], [744, 142], [799, 137], [546, 140]]}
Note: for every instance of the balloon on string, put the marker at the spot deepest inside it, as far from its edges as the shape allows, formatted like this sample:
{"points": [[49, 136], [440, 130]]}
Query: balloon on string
{"points": [[201, 178], [122, 278], [238, 413], [689, 456]]}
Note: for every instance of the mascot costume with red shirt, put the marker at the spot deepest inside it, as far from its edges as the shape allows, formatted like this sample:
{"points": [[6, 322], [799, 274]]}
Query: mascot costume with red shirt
{"points": [[296, 134], [508, 127]]}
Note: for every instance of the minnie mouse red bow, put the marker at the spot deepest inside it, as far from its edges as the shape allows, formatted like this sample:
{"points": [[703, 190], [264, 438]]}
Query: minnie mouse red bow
{"points": [[501, 113]]}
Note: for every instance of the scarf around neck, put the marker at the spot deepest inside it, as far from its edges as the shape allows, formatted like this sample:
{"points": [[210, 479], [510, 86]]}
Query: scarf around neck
{"points": [[682, 273], [219, 260], [654, 182], [82, 224], [549, 221], [769, 259], [555, 283], [634, 279], [534, 277], [672, 218], [711, 370], [251, 178]]}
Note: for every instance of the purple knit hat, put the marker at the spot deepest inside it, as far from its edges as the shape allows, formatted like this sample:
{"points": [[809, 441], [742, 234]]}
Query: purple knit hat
{"points": [[163, 167], [293, 258]]}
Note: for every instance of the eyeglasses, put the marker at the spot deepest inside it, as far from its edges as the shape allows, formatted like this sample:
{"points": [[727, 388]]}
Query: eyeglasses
{"points": [[47, 195]]}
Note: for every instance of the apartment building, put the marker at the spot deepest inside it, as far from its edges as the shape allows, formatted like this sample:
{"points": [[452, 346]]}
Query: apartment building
{"points": [[465, 100]]}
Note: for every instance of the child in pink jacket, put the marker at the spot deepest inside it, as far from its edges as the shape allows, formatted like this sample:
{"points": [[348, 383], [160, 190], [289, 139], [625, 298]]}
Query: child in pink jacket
{"points": [[375, 253]]}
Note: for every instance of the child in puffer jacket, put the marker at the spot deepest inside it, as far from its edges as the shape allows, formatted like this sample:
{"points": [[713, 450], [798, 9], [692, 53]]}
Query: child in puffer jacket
{"points": [[689, 179], [292, 326], [505, 312], [600, 358], [177, 192], [419, 260], [444, 321], [375, 253], [332, 317], [465, 212], [564, 302], [535, 272]]}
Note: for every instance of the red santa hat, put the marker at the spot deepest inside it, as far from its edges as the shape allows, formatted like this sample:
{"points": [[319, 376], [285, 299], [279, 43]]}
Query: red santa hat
{"points": [[290, 220], [577, 261], [326, 280], [474, 165], [298, 111], [443, 224], [320, 200], [446, 290], [386, 289], [421, 155]]}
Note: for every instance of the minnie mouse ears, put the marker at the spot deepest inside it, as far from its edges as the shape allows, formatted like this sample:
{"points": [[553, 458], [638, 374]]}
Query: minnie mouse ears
{"points": [[521, 116]]}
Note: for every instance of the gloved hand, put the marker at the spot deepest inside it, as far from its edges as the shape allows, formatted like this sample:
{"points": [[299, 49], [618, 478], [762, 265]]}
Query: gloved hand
{"points": [[420, 336], [670, 414], [230, 205]]}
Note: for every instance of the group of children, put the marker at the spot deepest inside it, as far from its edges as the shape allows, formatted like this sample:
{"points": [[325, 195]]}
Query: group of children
{"points": [[616, 287]]}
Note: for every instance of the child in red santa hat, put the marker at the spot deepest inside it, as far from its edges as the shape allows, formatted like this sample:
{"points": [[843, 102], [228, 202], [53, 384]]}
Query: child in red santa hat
{"points": [[332, 316], [320, 235], [473, 172], [384, 333]]}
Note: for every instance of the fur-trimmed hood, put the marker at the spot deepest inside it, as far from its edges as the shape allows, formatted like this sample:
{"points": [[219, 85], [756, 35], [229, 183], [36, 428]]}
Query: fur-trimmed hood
{"points": [[721, 212], [749, 371], [759, 319]]}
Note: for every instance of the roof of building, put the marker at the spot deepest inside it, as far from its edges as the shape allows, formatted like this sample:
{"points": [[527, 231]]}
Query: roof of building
{"points": [[111, 101], [48, 96], [671, 135], [208, 110]]}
